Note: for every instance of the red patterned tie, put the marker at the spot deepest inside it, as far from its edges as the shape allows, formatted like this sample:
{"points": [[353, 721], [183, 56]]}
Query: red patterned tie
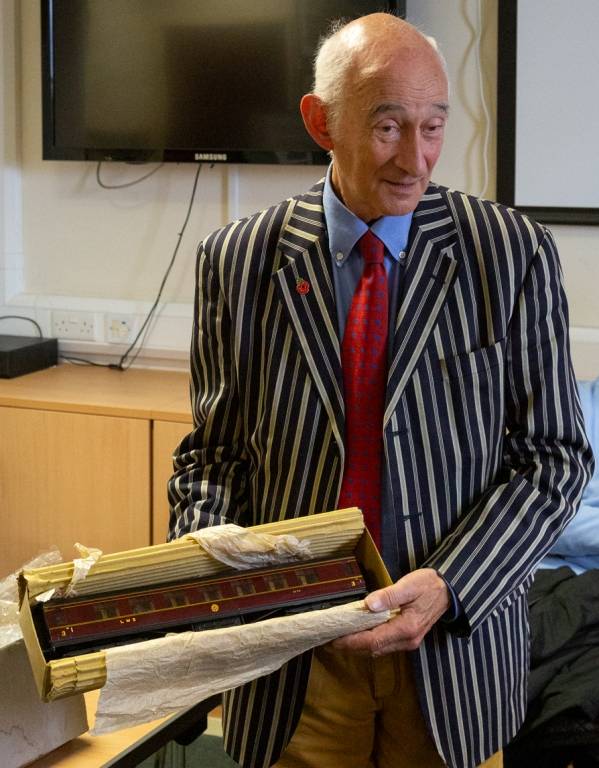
{"points": [[364, 362]]}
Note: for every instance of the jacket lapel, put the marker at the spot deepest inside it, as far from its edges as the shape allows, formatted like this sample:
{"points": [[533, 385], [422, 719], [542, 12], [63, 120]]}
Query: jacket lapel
{"points": [[305, 287], [428, 274]]}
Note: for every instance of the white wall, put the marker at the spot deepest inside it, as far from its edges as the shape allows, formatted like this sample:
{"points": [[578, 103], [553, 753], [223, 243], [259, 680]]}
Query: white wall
{"points": [[69, 244], [82, 247]]}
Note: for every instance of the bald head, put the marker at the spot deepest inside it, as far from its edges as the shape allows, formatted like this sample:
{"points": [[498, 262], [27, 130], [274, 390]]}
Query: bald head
{"points": [[360, 48]]}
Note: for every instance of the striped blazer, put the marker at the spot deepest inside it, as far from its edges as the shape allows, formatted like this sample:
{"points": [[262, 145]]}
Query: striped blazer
{"points": [[483, 434]]}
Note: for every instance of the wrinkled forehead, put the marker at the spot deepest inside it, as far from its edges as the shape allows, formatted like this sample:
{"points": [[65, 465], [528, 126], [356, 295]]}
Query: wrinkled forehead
{"points": [[408, 75]]}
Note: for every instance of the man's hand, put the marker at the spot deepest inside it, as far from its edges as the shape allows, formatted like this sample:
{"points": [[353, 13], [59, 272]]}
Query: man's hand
{"points": [[423, 598]]}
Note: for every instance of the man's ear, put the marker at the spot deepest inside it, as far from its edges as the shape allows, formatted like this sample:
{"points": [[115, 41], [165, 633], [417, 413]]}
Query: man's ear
{"points": [[315, 119]]}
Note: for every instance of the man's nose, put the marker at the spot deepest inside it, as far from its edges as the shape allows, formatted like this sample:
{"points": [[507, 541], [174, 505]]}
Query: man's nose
{"points": [[410, 156]]}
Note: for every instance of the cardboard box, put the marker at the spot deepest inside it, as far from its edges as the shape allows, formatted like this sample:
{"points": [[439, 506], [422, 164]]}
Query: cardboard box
{"points": [[330, 534], [30, 727]]}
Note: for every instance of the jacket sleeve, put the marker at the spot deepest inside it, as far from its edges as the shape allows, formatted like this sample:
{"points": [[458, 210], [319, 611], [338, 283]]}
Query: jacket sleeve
{"points": [[209, 482], [547, 460]]}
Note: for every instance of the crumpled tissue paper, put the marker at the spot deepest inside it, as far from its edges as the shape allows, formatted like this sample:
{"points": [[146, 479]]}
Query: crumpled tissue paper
{"points": [[159, 677]]}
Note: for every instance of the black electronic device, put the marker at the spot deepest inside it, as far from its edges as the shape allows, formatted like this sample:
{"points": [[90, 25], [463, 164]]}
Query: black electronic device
{"points": [[25, 354], [184, 80]]}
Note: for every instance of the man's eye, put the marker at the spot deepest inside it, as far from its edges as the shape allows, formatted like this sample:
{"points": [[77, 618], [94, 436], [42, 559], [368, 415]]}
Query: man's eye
{"points": [[387, 131], [434, 129]]}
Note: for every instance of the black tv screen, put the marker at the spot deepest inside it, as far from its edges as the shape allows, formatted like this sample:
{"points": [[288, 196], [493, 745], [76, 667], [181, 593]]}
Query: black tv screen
{"points": [[183, 80]]}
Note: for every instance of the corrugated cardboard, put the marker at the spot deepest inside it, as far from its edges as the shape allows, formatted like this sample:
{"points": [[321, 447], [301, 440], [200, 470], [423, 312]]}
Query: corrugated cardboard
{"points": [[330, 534]]}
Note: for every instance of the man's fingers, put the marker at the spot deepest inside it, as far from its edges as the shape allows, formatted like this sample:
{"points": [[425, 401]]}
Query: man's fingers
{"points": [[418, 599], [419, 587], [397, 634]]}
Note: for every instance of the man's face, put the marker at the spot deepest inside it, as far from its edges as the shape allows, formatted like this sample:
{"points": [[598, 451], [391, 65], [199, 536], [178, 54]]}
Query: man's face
{"points": [[389, 133]]}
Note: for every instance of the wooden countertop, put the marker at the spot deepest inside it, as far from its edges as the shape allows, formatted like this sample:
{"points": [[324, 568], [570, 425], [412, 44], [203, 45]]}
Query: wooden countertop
{"points": [[135, 393], [94, 751], [125, 747]]}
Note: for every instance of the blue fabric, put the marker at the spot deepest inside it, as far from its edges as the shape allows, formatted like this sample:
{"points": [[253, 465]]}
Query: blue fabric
{"points": [[578, 546]]}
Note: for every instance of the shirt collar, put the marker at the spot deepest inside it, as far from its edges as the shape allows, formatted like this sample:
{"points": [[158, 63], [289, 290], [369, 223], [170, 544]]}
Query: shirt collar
{"points": [[345, 228]]}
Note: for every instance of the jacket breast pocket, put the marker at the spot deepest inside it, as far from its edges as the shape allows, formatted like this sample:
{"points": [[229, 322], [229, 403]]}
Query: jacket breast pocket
{"points": [[476, 366], [474, 400]]}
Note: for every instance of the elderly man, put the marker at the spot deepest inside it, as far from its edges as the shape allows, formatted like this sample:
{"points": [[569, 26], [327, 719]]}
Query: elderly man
{"points": [[387, 343]]}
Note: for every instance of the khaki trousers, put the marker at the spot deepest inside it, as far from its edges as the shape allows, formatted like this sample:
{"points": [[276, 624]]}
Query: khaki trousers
{"points": [[362, 713]]}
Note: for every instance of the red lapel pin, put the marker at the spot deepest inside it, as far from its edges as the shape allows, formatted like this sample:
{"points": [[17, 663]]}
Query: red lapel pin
{"points": [[302, 286]]}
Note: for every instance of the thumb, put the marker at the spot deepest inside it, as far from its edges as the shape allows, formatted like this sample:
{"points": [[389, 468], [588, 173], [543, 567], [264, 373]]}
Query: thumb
{"points": [[385, 599]]}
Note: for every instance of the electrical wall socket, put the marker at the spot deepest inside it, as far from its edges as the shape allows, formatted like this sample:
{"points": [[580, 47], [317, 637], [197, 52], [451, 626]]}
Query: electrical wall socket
{"points": [[119, 328], [73, 325]]}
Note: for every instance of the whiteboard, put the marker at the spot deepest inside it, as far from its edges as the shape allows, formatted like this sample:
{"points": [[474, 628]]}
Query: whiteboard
{"points": [[548, 108]]}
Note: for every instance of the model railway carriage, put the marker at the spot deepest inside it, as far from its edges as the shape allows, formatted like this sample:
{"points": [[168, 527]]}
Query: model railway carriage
{"points": [[71, 626]]}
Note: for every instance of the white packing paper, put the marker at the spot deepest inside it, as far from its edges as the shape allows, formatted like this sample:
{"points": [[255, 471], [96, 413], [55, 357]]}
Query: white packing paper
{"points": [[10, 631], [241, 549], [82, 565], [157, 678]]}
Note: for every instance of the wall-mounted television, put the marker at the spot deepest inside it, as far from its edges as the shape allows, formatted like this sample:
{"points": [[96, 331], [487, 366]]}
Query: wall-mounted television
{"points": [[183, 80]]}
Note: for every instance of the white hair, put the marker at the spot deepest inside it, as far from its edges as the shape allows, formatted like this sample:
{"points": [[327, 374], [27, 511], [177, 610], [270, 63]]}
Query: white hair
{"points": [[334, 57], [331, 64]]}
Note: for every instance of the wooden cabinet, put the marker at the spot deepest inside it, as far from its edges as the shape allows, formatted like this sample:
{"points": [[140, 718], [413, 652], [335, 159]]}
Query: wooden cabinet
{"points": [[166, 436], [67, 477], [85, 454]]}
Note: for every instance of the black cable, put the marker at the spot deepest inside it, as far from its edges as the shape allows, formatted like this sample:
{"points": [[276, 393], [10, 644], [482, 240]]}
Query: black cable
{"points": [[121, 364], [127, 183], [22, 317], [83, 361]]}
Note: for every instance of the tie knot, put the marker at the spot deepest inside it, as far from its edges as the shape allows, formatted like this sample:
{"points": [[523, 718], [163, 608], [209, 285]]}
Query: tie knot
{"points": [[371, 248]]}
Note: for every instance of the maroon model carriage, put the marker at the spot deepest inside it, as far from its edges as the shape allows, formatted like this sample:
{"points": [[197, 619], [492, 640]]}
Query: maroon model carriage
{"points": [[67, 626]]}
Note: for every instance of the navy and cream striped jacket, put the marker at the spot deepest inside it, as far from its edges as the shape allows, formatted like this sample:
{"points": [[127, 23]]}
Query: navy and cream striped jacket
{"points": [[483, 433]]}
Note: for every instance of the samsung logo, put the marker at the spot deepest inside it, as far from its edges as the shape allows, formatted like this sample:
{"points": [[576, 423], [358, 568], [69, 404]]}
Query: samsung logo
{"points": [[211, 156]]}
